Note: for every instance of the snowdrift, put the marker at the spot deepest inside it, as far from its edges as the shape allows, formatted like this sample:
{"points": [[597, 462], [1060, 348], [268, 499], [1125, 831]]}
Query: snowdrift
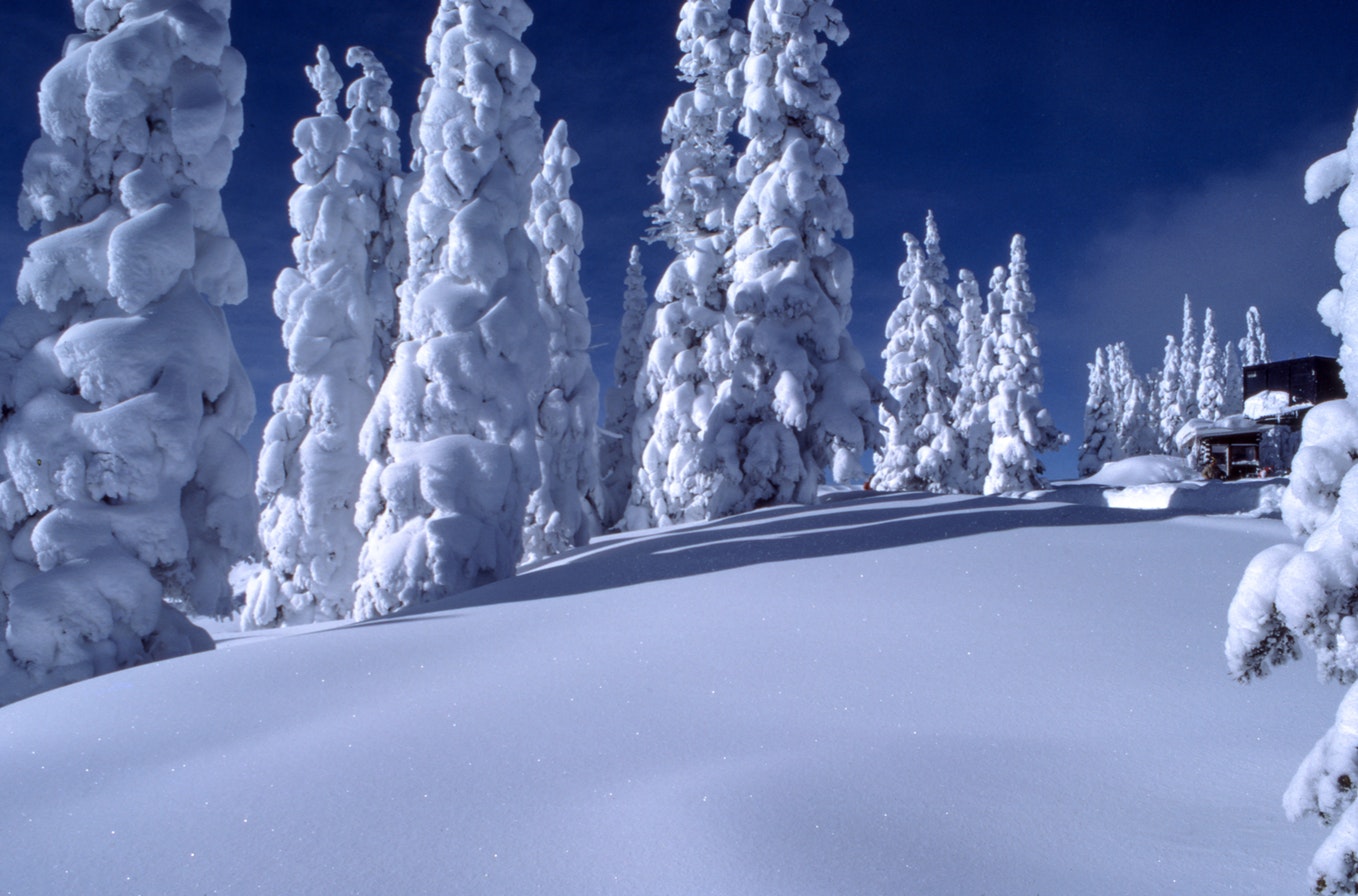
{"points": [[891, 694]]}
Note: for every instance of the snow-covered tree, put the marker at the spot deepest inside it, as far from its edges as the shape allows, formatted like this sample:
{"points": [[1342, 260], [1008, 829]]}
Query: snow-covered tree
{"points": [[1136, 429], [973, 422], [1188, 365], [337, 308], [798, 398], [451, 439], [124, 490], [563, 512], [1021, 428], [970, 414], [1211, 396], [694, 218], [617, 460], [1172, 414], [1234, 382], [1100, 444], [1303, 594], [922, 449], [1254, 346]]}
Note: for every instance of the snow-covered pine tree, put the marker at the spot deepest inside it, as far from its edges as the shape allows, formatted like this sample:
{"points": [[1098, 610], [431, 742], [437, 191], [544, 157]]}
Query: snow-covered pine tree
{"points": [[563, 512], [1188, 365], [1136, 429], [1150, 387], [1254, 346], [1234, 381], [124, 490], [1021, 428], [975, 424], [1294, 594], [1100, 444], [694, 218], [969, 414], [1211, 397], [1172, 417], [922, 449], [799, 398], [336, 305], [617, 464], [451, 439]]}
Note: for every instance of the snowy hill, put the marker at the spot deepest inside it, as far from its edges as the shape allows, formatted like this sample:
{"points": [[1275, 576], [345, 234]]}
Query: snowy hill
{"points": [[879, 695]]}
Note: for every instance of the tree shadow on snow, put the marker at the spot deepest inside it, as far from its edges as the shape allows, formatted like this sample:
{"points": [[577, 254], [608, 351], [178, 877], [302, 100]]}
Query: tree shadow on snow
{"points": [[793, 532]]}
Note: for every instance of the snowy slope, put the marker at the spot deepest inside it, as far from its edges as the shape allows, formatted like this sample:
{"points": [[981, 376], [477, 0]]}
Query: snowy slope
{"points": [[880, 695]]}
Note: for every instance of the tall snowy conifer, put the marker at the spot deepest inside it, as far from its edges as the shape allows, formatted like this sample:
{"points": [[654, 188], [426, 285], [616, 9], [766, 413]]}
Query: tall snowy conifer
{"points": [[922, 449], [337, 307], [124, 488], [563, 512], [1294, 594], [1254, 346], [1100, 444], [451, 439], [1021, 428], [1172, 417], [617, 464], [694, 218], [970, 416], [1136, 430], [974, 424], [1188, 365], [799, 398], [1211, 397], [1234, 382]]}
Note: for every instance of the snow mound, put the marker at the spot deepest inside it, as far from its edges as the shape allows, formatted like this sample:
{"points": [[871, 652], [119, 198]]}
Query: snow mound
{"points": [[1151, 469]]}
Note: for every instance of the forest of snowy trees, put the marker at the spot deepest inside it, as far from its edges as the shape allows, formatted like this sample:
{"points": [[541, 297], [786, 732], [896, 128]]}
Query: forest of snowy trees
{"points": [[442, 424], [1130, 415]]}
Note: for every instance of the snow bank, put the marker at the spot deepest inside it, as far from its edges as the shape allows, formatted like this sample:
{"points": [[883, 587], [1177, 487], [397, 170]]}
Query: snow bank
{"points": [[1149, 469]]}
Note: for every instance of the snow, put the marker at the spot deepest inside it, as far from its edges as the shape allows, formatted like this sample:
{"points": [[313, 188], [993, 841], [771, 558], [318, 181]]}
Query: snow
{"points": [[881, 694], [1151, 469]]}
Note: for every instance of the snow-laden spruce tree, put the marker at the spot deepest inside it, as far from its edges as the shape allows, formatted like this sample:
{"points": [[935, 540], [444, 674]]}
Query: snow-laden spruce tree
{"points": [[337, 308], [1188, 365], [1303, 594], [798, 399], [1233, 381], [1211, 396], [973, 422], [921, 448], [970, 416], [688, 344], [124, 489], [1172, 416], [1100, 445], [1136, 429], [1254, 345], [617, 460], [451, 439], [563, 512], [1021, 428]]}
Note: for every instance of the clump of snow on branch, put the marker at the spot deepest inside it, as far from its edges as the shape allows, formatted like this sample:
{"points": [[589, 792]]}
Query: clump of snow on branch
{"points": [[124, 490], [337, 308], [564, 510], [451, 439], [1301, 594]]}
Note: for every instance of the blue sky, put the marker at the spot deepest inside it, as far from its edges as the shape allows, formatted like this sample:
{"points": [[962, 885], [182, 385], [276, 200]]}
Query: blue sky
{"points": [[1146, 150]]}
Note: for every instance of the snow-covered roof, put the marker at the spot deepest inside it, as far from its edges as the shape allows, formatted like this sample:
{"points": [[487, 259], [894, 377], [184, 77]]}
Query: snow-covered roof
{"points": [[1198, 428]]}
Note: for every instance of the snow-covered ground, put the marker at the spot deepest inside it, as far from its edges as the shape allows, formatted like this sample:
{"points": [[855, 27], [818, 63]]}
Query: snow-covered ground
{"points": [[880, 695]]}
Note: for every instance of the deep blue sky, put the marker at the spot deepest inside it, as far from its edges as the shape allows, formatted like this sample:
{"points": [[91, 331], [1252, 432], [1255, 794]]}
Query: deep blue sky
{"points": [[1146, 150]]}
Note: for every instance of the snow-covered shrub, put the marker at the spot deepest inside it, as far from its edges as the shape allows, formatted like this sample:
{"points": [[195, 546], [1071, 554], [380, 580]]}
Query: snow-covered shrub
{"points": [[451, 439], [563, 512], [337, 308], [1306, 594], [124, 490]]}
